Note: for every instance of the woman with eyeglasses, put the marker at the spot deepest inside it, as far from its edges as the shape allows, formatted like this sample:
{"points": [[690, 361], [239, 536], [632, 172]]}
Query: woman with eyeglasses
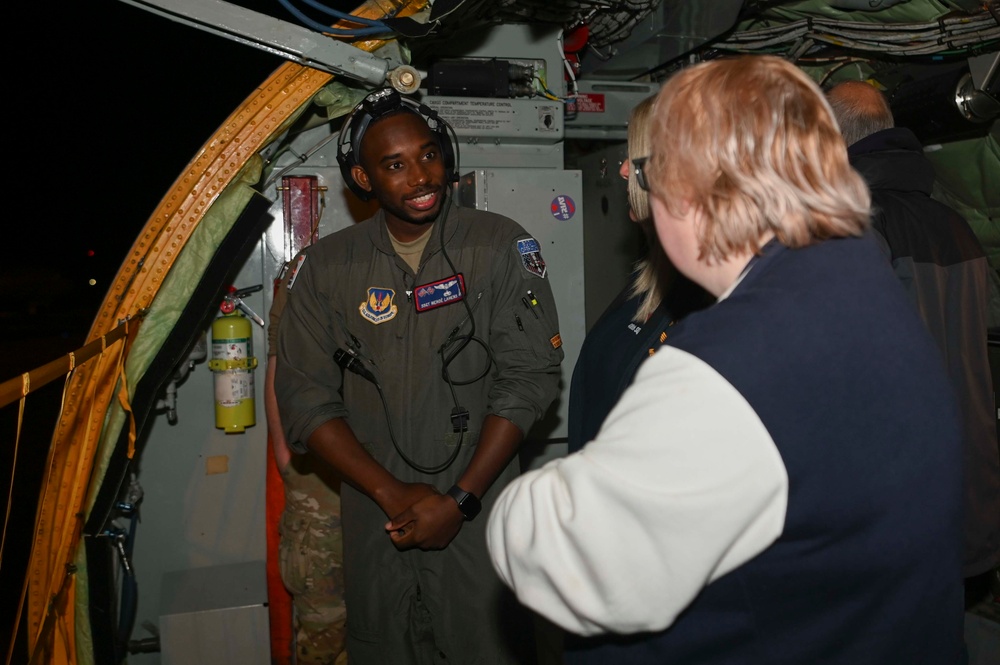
{"points": [[632, 325], [780, 483]]}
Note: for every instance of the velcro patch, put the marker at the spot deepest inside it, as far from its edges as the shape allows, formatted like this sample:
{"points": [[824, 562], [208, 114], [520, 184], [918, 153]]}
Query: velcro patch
{"points": [[379, 307], [531, 256], [440, 293], [556, 341]]}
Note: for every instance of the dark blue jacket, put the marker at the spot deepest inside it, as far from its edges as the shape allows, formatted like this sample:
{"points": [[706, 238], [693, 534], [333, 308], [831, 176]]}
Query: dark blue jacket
{"points": [[826, 348]]}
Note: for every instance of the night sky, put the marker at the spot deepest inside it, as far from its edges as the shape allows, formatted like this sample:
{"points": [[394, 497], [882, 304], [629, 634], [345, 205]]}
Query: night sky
{"points": [[114, 108], [105, 110]]}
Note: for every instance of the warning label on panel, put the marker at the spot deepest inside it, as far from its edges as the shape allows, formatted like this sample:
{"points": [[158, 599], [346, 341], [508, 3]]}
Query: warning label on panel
{"points": [[590, 102], [477, 115]]}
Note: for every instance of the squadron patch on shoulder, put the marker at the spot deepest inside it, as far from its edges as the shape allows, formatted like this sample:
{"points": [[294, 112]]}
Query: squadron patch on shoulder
{"points": [[295, 271], [531, 256], [379, 307], [442, 292]]}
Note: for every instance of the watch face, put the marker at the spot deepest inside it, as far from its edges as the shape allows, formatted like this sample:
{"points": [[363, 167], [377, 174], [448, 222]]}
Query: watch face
{"points": [[467, 502], [470, 506]]}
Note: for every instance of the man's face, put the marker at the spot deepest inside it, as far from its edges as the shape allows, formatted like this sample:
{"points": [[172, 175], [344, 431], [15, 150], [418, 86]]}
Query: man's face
{"points": [[401, 163]]}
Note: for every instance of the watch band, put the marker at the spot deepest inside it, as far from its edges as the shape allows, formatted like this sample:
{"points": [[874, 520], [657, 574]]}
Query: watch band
{"points": [[468, 502]]}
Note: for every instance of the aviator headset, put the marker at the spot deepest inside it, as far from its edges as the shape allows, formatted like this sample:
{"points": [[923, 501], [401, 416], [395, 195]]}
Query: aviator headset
{"points": [[380, 103]]}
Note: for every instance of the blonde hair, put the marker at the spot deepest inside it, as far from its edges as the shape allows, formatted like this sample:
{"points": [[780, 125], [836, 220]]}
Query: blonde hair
{"points": [[751, 142], [654, 273], [639, 145]]}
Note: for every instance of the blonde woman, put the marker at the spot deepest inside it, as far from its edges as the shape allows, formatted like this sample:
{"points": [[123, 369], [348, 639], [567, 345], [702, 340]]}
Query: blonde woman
{"points": [[630, 328], [780, 482]]}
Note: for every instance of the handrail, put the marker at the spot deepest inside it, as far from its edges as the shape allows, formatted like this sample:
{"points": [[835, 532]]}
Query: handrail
{"points": [[14, 389]]}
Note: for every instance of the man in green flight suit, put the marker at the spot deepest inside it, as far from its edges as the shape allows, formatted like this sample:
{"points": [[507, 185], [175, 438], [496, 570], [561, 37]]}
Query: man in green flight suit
{"points": [[416, 350]]}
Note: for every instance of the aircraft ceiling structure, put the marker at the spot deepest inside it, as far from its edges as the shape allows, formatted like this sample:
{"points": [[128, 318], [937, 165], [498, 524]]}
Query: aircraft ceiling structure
{"points": [[938, 61]]}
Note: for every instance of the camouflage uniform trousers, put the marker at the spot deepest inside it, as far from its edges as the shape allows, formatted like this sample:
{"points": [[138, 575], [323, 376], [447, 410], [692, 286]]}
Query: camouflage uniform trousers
{"points": [[311, 556]]}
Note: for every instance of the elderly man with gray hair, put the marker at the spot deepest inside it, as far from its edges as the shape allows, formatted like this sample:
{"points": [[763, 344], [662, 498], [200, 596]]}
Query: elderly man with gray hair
{"points": [[944, 269]]}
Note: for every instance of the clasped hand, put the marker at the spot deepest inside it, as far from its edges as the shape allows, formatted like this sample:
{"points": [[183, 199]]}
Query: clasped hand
{"points": [[428, 519]]}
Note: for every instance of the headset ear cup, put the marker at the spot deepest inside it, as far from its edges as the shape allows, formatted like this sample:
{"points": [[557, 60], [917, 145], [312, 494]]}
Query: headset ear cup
{"points": [[351, 134], [448, 153], [347, 165]]}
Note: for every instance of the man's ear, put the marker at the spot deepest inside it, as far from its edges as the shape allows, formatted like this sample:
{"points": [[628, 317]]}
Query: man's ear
{"points": [[361, 177]]}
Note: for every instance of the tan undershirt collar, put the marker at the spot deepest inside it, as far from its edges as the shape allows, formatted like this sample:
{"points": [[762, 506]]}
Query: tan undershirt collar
{"points": [[413, 250]]}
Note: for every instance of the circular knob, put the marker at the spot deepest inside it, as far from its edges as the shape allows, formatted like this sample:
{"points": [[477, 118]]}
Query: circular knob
{"points": [[405, 78]]}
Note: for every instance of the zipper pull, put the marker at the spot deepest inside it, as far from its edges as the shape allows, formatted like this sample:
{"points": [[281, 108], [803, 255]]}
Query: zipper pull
{"points": [[518, 320]]}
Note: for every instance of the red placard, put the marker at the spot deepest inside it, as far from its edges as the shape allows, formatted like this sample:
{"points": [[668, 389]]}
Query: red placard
{"points": [[590, 102]]}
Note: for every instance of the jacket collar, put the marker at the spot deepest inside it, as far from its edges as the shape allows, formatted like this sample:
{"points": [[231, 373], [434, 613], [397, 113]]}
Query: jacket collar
{"points": [[893, 159]]}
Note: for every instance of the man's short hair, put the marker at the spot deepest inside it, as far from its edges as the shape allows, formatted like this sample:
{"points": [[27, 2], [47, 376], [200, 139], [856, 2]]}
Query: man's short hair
{"points": [[860, 110], [752, 143]]}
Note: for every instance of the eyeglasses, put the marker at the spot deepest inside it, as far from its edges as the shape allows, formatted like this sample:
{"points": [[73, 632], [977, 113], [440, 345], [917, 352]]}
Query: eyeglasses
{"points": [[639, 166]]}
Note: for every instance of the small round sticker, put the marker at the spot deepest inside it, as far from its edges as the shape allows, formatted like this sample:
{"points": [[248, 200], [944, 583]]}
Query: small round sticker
{"points": [[563, 207]]}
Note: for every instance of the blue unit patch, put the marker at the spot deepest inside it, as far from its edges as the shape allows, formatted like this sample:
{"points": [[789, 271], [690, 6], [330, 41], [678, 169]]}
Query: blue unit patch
{"points": [[531, 256], [379, 308], [442, 292]]}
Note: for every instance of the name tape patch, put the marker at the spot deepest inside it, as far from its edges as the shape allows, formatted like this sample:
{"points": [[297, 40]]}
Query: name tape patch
{"points": [[440, 293]]}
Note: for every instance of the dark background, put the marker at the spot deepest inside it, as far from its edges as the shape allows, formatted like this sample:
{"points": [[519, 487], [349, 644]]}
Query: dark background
{"points": [[106, 116], [104, 110]]}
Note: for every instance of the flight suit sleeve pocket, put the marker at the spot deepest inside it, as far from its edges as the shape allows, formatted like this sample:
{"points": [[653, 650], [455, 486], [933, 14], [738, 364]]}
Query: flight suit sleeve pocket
{"points": [[527, 328]]}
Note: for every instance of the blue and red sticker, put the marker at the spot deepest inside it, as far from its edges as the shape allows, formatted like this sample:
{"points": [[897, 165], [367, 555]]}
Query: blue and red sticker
{"points": [[563, 207]]}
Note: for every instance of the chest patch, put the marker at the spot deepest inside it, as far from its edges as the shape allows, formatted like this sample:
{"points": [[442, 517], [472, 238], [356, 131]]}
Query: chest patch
{"points": [[442, 292], [531, 256], [379, 306]]}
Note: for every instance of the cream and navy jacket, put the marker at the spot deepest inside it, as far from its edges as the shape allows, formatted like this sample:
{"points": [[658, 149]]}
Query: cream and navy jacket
{"points": [[780, 484]]}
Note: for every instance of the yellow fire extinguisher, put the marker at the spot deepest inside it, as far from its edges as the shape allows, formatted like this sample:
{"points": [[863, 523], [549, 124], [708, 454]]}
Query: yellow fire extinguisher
{"points": [[233, 363]]}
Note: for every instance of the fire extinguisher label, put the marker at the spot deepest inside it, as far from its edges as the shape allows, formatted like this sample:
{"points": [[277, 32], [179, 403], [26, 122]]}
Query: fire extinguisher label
{"points": [[233, 386], [231, 349]]}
